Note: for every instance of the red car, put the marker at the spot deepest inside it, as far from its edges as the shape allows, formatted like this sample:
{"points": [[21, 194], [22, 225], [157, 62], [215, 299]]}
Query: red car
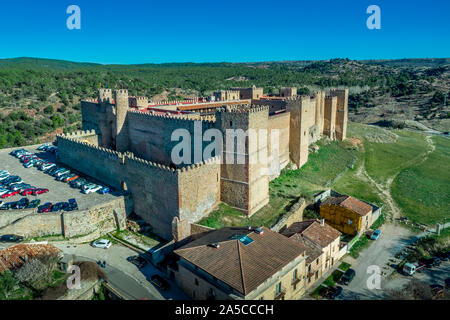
{"points": [[10, 194], [27, 192], [45, 208], [39, 191]]}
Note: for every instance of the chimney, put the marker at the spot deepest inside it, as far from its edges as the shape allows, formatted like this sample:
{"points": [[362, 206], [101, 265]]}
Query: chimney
{"points": [[322, 222]]}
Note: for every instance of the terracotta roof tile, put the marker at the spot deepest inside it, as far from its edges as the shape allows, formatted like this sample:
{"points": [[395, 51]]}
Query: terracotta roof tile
{"points": [[349, 202], [242, 267], [313, 231], [14, 257]]}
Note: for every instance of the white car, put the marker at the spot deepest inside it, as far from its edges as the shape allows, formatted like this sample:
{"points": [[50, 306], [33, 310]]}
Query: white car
{"points": [[102, 243], [92, 189]]}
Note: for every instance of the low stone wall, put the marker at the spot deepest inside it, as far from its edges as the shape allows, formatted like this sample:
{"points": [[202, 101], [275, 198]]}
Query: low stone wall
{"points": [[295, 214], [86, 291], [85, 224]]}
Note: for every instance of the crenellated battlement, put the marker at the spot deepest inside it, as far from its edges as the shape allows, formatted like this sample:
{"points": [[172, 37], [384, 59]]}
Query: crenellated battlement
{"points": [[80, 134], [195, 166], [170, 118], [91, 100]]}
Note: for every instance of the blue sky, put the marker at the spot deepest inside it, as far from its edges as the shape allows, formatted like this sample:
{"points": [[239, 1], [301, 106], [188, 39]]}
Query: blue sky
{"points": [[139, 31]]}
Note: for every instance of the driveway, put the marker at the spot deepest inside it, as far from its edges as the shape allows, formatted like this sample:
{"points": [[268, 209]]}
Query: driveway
{"points": [[394, 237]]}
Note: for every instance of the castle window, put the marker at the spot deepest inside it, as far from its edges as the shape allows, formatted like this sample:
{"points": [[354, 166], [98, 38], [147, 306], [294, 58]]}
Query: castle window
{"points": [[196, 281], [231, 123]]}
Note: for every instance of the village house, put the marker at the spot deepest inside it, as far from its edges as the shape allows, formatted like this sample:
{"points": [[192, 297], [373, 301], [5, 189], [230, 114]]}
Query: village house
{"points": [[321, 243], [347, 214], [241, 264]]}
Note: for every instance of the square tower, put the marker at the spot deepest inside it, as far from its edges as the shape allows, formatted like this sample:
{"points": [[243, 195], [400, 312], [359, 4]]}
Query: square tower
{"points": [[341, 112], [302, 110], [244, 171], [329, 126]]}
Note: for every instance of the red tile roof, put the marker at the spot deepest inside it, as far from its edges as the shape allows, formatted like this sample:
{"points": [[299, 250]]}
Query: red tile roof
{"points": [[349, 202], [242, 267], [314, 231], [14, 257]]}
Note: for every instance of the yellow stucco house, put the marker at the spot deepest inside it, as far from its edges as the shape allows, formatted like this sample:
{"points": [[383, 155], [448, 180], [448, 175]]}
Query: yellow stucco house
{"points": [[347, 214]]}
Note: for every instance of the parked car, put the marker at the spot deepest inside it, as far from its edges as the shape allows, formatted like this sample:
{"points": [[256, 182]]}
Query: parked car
{"points": [[160, 282], [11, 238], [431, 262], [21, 204], [138, 261], [7, 206], [59, 206], [62, 172], [77, 183], [348, 276], [39, 191], [437, 291], [73, 205], [45, 207], [334, 292], [34, 204], [44, 147], [9, 194], [104, 190], [70, 177], [92, 189], [411, 268], [101, 243], [27, 192]]}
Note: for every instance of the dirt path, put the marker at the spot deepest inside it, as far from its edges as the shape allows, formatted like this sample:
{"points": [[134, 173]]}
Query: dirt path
{"points": [[384, 190]]}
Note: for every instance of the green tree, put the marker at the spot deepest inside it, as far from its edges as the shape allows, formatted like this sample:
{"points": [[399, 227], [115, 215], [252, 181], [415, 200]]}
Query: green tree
{"points": [[7, 284]]}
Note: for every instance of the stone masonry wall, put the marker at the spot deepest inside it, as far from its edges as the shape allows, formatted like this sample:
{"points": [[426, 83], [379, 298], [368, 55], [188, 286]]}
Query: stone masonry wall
{"points": [[100, 219], [159, 193]]}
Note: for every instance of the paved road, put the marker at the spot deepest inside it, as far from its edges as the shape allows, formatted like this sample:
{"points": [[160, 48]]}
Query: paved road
{"points": [[120, 271]]}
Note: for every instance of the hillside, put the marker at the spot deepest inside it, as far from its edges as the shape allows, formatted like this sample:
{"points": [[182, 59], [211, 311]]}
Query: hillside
{"points": [[403, 171], [40, 97]]}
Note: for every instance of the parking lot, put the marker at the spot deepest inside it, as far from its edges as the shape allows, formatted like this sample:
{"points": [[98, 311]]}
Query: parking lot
{"points": [[58, 191]]}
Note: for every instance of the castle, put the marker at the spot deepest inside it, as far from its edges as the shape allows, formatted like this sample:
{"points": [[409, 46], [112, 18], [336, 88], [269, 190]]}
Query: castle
{"points": [[127, 143]]}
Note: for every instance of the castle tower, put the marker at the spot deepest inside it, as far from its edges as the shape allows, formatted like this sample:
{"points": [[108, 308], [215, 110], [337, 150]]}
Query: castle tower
{"points": [[320, 109], [122, 106], [104, 96], [244, 171], [341, 112], [329, 126], [302, 111]]}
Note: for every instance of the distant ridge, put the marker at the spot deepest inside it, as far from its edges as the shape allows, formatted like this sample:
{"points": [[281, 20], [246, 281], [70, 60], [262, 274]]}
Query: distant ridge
{"points": [[64, 65]]}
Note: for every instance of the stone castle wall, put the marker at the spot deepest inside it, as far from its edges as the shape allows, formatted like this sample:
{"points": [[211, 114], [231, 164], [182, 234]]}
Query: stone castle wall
{"points": [[279, 122], [95, 221], [159, 193], [150, 135]]}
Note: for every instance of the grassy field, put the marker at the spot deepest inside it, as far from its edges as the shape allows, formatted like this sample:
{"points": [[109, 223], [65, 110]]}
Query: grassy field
{"points": [[420, 189], [423, 191], [332, 159], [383, 160]]}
